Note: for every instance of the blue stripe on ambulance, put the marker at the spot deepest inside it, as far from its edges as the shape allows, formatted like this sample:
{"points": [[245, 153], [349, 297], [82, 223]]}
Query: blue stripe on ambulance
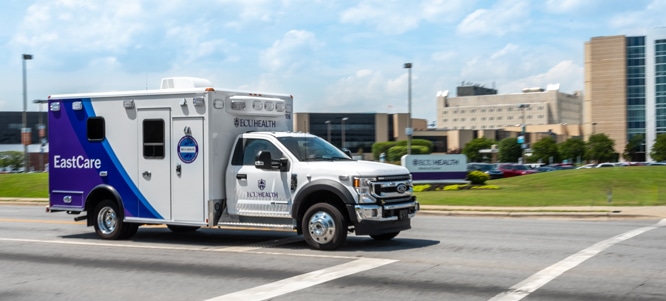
{"points": [[125, 186]]}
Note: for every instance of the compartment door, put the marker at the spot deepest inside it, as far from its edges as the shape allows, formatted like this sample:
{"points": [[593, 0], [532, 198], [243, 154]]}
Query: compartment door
{"points": [[187, 174], [154, 178]]}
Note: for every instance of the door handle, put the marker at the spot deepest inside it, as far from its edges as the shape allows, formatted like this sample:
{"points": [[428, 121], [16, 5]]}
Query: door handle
{"points": [[178, 169], [241, 176], [147, 173]]}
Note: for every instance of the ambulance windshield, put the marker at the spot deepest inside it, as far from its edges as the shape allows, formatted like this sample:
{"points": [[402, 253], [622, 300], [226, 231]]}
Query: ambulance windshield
{"points": [[312, 148]]}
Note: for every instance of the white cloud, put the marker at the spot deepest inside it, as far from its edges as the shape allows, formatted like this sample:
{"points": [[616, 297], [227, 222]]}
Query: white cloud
{"points": [[508, 49], [443, 56], [566, 73], [365, 90], [571, 6], [80, 25], [504, 17], [638, 21], [396, 17], [289, 52]]}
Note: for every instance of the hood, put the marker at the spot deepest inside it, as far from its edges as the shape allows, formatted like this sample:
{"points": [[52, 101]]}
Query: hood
{"points": [[358, 168]]}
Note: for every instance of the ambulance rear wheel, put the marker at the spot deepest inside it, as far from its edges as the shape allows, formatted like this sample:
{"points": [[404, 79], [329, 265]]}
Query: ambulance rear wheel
{"points": [[324, 227], [109, 223]]}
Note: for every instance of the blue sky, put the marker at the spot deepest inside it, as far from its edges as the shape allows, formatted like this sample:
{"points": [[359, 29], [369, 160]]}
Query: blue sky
{"points": [[333, 56]]}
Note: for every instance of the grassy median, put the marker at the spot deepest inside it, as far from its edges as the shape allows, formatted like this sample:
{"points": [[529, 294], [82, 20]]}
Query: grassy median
{"points": [[617, 186]]}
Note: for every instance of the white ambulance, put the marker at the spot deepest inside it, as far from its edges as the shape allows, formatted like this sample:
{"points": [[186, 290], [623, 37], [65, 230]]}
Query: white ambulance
{"points": [[190, 156]]}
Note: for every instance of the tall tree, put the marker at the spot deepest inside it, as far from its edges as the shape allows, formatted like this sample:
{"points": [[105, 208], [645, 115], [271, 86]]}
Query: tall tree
{"points": [[572, 149], [658, 152], [472, 148], [545, 149], [510, 150], [600, 148], [633, 147]]}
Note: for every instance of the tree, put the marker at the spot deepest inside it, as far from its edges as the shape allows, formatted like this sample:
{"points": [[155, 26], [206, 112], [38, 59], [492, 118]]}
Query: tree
{"points": [[599, 148], [658, 152], [11, 158], [545, 149], [509, 150], [633, 147], [572, 149], [472, 148]]}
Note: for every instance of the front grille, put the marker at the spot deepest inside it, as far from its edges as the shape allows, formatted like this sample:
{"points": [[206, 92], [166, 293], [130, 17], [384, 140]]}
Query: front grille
{"points": [[393, 178], [389, 188]]}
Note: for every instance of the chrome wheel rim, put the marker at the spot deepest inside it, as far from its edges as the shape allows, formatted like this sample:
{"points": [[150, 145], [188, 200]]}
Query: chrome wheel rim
{"points": [[107, 220], [321, 227]]}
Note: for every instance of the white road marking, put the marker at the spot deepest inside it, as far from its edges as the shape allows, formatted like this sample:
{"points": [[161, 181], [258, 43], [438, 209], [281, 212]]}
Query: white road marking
{"points": [[541, 278], [134, 245], [300, 282]]}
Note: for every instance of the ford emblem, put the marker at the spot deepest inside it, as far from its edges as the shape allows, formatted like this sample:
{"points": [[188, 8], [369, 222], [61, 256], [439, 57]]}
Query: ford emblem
{"points": [[401, 188]]}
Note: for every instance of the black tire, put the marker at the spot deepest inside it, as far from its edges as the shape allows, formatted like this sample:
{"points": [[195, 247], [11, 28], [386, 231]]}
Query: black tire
{"points": [[385, 236], [129, 229], [175, 228], [324, 227], [108, 222]]}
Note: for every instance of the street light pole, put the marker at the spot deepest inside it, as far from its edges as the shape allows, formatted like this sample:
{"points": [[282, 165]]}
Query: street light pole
{"points": [[343, 131], [328, 130], [409, 131], [25, 131], [523, 106]]}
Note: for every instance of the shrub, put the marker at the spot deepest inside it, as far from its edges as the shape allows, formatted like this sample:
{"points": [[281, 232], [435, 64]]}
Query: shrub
{"points": [[478, 177], [485, 187], [381, 147], [419, 188], [396, 152], [453, 187], [418, 142]]}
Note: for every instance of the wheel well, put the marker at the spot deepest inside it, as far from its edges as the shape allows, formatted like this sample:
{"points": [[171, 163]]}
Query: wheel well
{"points": [[96, 197], [321, 196]]}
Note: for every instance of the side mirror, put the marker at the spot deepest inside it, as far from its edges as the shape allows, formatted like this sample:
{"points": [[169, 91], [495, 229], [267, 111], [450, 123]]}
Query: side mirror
{"points": [[347, 152], [263, 160]]}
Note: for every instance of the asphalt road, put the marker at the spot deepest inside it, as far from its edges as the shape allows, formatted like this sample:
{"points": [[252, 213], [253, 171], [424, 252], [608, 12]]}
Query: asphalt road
{"points": [[47, 256]]}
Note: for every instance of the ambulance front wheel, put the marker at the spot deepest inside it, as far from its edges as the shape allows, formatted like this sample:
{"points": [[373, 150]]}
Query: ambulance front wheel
{"points": [[109, 224], [324, 227]]}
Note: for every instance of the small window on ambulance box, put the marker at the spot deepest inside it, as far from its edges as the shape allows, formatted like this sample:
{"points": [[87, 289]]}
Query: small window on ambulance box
{"points": [[95, 129], [153, 139]]}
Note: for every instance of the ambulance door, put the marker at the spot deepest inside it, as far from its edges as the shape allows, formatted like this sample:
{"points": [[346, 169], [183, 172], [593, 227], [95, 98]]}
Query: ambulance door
{"points": [[187, 174], [154, 178], [258, 192]]}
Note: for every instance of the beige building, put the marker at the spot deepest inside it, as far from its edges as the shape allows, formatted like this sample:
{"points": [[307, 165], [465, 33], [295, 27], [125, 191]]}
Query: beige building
{"points": [[606, 89], [535, 106]]}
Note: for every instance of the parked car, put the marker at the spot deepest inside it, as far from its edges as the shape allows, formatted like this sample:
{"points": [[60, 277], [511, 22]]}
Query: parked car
{"points": [[487, 168], [607, 164], [562, 166], [512, 170], [546, 169]]}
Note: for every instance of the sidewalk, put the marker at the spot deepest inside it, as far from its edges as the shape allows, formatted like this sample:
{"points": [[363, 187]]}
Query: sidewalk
{"points": [[605, 212], [587, 212]]}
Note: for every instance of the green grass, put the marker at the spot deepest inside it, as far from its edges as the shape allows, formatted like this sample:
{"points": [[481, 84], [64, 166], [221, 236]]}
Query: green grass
{"points": [[628, 186], [30, 185], [620, 186]]}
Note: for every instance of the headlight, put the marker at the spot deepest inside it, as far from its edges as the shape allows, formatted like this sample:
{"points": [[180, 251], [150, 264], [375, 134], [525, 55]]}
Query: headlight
{"points": [[363, 187]]}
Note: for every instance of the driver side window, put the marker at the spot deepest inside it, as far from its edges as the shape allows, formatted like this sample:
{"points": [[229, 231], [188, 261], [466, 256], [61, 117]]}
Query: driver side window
{"points": [[254, 146]]}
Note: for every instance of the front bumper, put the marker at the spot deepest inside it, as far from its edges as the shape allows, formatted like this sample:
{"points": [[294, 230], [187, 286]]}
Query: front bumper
{"points": [[377, 219]]}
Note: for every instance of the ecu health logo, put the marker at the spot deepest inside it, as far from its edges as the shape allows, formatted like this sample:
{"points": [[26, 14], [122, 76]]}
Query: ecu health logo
{"points": [[261, 184]]}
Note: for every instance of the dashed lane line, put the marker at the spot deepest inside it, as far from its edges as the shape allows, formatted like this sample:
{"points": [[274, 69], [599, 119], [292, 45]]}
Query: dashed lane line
{"points": [[541, 278]]}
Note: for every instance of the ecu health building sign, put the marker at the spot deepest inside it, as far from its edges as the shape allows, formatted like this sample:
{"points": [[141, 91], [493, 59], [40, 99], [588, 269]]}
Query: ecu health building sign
{"points": [[436, 168]]}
